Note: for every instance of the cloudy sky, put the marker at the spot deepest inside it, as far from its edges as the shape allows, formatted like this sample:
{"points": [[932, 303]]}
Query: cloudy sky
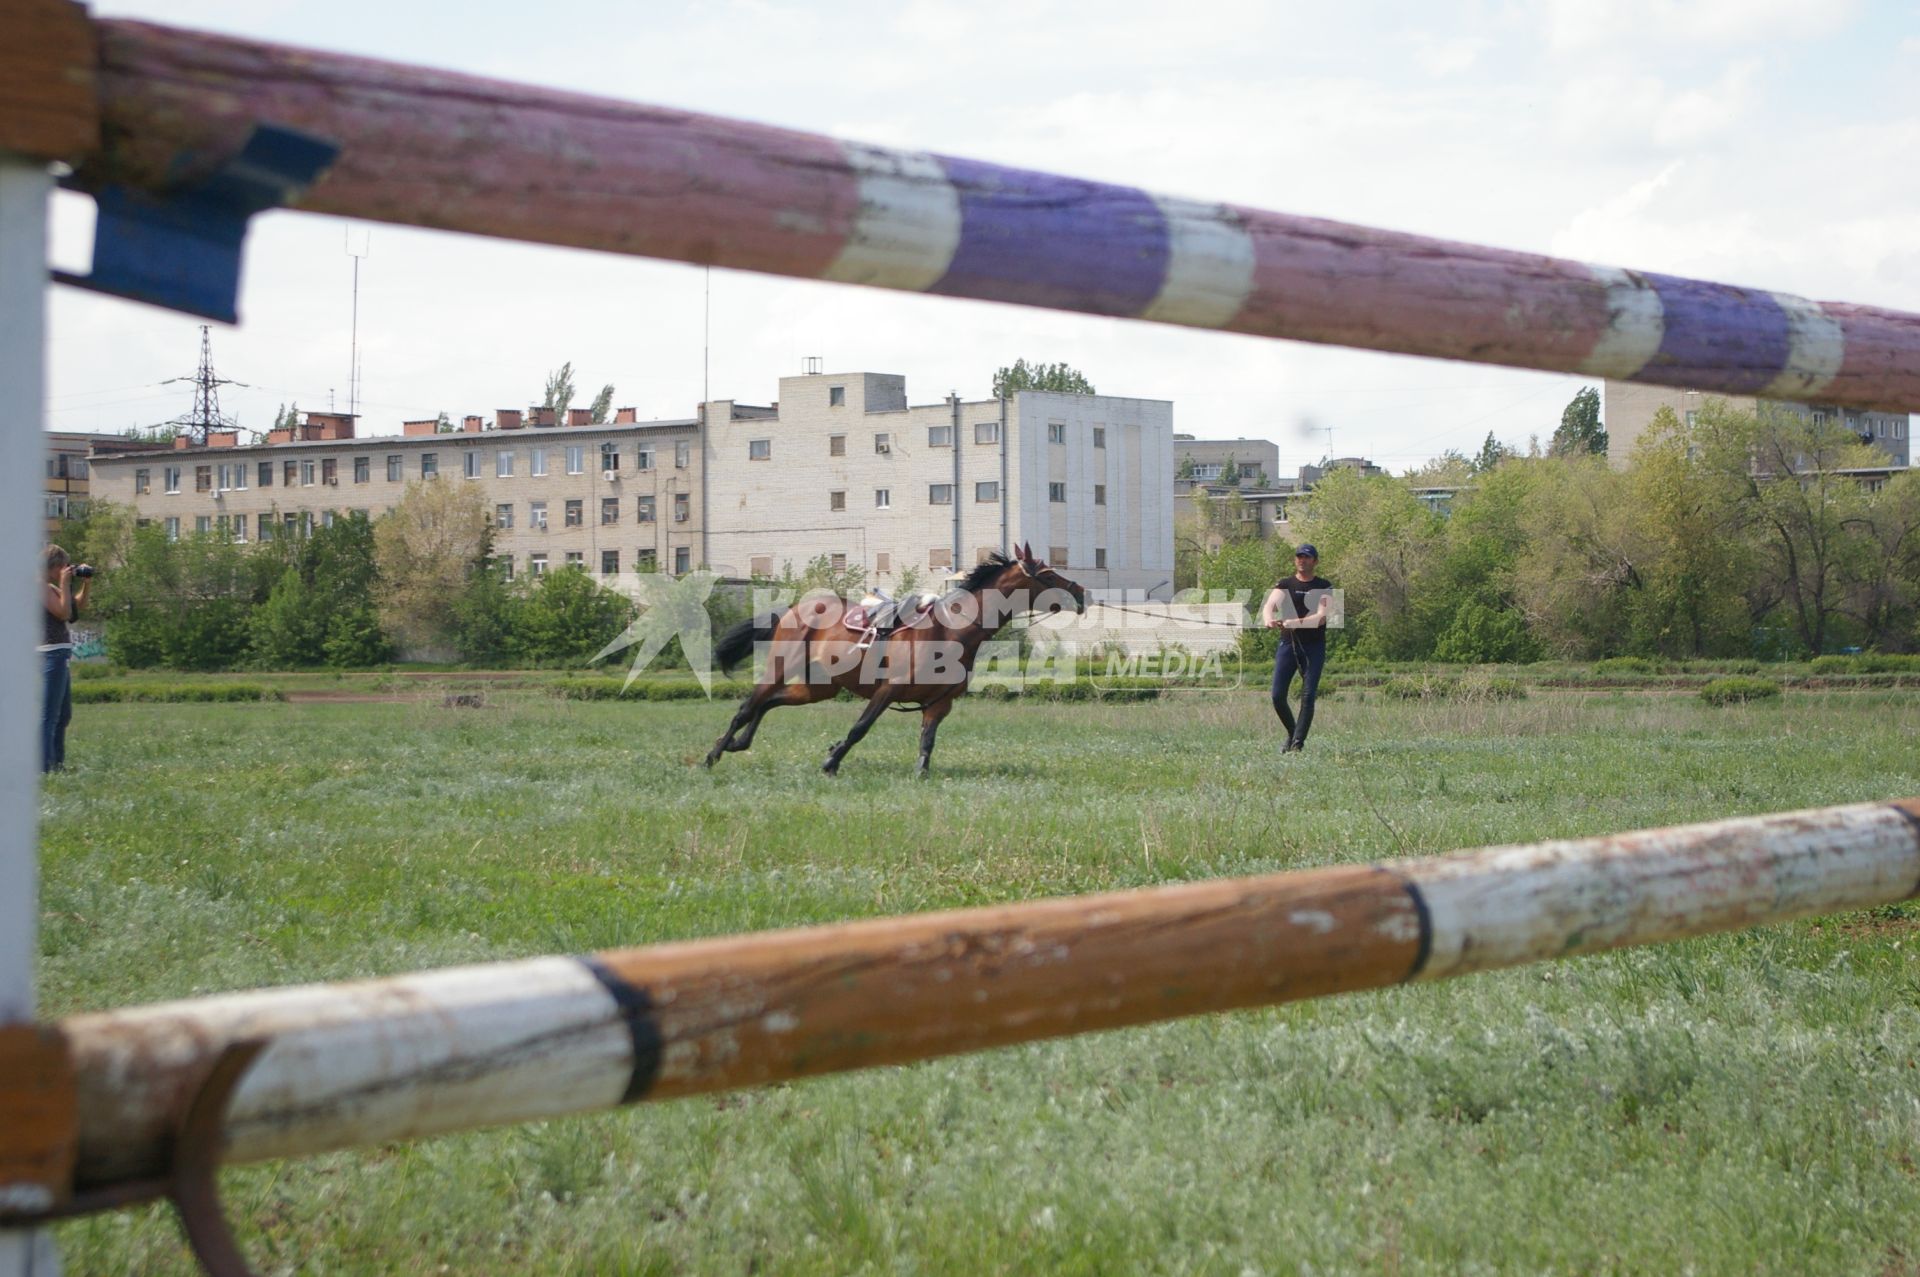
{"points": [[1760, 142]]}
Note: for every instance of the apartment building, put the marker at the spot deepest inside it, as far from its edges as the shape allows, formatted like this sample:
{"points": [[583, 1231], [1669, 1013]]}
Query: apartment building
{"points": [[611, 498], [844, 466], [1628, 408], [69, 471]]}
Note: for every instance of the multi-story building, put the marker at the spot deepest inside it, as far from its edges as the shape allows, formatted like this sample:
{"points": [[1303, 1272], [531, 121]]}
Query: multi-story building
{"points": [[844, 466], [69, 469], [614, 497], [1629, 408]]}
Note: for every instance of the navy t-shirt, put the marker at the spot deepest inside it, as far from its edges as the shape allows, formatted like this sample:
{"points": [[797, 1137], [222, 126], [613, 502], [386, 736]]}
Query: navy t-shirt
{"points": [[1303, 599]]}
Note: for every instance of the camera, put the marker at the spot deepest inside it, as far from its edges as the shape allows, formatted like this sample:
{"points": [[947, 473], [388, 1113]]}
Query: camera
{"points": [[83, 570]]}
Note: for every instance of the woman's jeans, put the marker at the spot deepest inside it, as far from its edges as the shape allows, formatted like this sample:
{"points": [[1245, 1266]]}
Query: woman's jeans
{"points": [[1307, 660], [56, 708]]}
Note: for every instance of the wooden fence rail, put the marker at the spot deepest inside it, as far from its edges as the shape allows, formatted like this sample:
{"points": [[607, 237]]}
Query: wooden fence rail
{"points": [[429, 148], [363, 1063]]}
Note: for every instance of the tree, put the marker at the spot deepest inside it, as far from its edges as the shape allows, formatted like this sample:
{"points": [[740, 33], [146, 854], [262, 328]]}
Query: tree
{"points": [[425, 550], [1230, 472], [1448, 470], [565, 616], [1580, 431], [1021, 375], [443, 424], [602, 405], [1185, 469], [559, 392], [321, 609], [1492, 453]]}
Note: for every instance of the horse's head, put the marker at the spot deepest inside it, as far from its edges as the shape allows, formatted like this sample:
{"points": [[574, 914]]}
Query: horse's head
{"points": [[1048, 591]]}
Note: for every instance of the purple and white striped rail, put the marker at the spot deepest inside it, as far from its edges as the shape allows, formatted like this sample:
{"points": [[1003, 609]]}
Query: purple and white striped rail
{"points": [[429, 148]]}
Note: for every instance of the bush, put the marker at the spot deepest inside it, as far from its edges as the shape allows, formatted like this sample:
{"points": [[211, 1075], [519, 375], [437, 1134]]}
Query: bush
{"points": [[1625, 665], [1481, 635], [1502, 689], [1739, 689], [95, 692], [1424, 687], [1865, 663]]}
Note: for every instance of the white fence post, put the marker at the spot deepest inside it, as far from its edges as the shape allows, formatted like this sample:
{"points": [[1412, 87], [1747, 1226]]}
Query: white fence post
{"points": [[25, 189]]}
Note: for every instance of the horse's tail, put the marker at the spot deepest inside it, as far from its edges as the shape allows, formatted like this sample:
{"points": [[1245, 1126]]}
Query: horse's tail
{"points": [[736, 644]]}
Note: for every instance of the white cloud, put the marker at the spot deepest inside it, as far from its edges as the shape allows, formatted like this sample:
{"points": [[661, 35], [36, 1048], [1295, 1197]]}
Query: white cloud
{"points": [[1585, 26]]}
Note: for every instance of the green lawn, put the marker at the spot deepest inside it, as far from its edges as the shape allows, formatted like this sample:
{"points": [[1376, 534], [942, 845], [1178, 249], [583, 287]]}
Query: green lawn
{"points": [[1741, 1104]]}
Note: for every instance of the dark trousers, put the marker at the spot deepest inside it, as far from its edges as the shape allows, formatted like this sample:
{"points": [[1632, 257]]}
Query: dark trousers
{"points": [[56, 708], [1305, 659]]}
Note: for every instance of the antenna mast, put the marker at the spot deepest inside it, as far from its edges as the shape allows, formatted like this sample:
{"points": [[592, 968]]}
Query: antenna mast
{"points": [[353, 350]]}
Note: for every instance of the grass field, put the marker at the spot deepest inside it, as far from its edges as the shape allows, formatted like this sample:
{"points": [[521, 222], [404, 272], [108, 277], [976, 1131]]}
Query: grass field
{"points": [[1742, 1104]]}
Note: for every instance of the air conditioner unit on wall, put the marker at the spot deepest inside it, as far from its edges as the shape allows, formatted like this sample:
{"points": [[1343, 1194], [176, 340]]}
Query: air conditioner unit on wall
{"points": [[883, 449], [609, 475]]}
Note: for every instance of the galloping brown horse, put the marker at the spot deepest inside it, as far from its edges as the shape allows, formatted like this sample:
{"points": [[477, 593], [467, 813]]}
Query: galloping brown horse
{"points": [[926, 663]]}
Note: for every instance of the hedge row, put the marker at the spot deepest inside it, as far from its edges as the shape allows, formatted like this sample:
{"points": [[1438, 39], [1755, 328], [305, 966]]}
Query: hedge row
{"points": [[97, 692]]}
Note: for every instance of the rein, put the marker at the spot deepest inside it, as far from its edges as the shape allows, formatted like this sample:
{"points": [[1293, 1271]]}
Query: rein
{"points": [[1166, 616]]}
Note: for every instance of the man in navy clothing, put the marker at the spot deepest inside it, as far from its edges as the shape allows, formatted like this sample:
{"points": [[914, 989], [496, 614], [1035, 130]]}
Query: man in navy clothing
{"points": [[1298, 607]]}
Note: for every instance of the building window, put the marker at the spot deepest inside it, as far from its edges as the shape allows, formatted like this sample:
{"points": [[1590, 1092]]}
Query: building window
{"points": [[1209, 472], [362, 469], [940, 560], [1693, 419], [643, 460], [503, 465], [682, 560], [576, 459], [837, 500], [1056, 432], [240, 527], [644, 510], [172, 476], [537, 564], [537, 462], [883, 562], [306, 474], [883, 444], [609, 511], [576, 514], [836, 445], [1057, 555], [1099, 557], [577, 559], [203, 478], [682, 508], [838, 563], [883, 498], [394, 464], [240, 476], [429, 465], [173, 528], [609, 459], [646, 560], [940, 494], [266, 474], [330, 472], [759, 449], [290, 474], [56, 505], [1099, 494], [836, 396], [537, 515], [986, 432], [939, 436], [761, 565], [266, 528], [983, 492], [1057, 492], [1099, 436], [505, 563], [681, 453], [470, 463], [609, 563], [142, 482], [503, 515], [202, 524]]}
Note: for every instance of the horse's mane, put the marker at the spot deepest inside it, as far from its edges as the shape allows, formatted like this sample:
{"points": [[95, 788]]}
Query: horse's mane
{"points": [[988, 570]]}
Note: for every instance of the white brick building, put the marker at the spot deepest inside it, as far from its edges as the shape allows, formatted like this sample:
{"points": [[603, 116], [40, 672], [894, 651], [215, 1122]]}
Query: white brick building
{"points": [[844, 466]]}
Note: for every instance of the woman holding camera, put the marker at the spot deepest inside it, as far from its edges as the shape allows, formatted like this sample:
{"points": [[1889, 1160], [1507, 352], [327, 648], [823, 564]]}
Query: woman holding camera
{"points": [[62, 603]]}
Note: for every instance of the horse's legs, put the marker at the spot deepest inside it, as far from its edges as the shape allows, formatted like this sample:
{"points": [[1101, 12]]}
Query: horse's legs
{"points": [[758, 702], [868, 717], [929, 724]]}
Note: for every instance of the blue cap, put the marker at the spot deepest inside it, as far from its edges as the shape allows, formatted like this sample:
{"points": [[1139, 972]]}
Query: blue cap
{"points": [[1307, 549]]}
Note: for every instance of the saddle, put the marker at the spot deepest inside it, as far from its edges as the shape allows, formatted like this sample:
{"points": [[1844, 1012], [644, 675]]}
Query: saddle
{"points": [[876, 617]]}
